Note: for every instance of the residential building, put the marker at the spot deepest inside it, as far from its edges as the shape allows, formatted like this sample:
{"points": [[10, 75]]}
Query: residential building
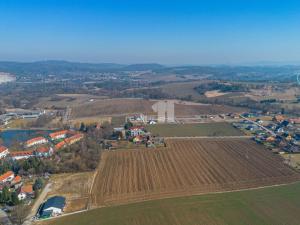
{"points": [[36, 141], [3, 151], [7, 177], [26, 192], [75, 138], [278, 118], [58, 135], [295, 120], [21, 155], [136, 131], [60, 145], [16, 182], [43, 151]]}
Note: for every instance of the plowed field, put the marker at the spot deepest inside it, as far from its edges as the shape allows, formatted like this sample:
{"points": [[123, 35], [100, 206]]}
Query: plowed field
{"points": [[186, 167]]}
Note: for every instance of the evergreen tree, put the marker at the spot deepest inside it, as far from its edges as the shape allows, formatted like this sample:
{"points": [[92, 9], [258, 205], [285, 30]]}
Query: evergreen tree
{"points": [[38, 184], [5, 196], [14, 199]]}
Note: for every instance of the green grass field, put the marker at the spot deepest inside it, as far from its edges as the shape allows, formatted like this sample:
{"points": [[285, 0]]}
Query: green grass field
{"points": [[274, 205], [188, 130]]}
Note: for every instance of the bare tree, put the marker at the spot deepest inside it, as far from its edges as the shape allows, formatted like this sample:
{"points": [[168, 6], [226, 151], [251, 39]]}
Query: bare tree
{"points": [[19, 214]]}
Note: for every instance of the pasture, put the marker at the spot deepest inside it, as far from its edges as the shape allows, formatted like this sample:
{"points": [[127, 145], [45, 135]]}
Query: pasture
{"points": [[272, 205]]}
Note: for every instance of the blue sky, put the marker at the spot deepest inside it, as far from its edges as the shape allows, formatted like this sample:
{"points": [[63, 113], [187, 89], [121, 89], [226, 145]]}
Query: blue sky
{"points": [[168, 32]]}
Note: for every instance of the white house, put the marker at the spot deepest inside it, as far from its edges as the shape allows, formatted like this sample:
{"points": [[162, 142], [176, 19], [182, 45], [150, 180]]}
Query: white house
{"points": [[18, 155], [36, 141], [3, 152], [58, 135]]}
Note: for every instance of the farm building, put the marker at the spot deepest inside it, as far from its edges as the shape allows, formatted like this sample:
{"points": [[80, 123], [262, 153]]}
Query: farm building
{"points": [[7, 177], [36, 141], [58, 135], [52, 207], [19, 155], [3, 151]]}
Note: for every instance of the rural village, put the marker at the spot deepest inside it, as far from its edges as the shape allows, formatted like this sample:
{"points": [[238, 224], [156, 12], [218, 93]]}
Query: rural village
{"points": [[23, 180]]}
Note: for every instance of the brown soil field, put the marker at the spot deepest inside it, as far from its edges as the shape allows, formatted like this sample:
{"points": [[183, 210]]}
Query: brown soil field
{"points": [[192, 110], [186, 167], [182, 89], [112, 107], [63, 100], [115, 107]]}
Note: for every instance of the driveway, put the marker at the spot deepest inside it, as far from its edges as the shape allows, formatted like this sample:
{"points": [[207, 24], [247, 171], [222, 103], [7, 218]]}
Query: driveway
{"points": [[37, 204]]}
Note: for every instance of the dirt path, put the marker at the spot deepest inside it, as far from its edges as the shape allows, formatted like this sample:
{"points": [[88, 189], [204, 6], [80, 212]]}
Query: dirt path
{"points": [[37, 204], [89, 201]]}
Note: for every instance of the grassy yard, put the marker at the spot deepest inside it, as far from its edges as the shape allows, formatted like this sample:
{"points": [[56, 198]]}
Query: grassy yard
{"points": [[188, 130], [274, 205], [294, 159]]}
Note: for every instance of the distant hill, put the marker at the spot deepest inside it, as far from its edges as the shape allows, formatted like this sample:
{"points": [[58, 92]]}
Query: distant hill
{"points": [[143, 67], [235, 73], [63, 67]]}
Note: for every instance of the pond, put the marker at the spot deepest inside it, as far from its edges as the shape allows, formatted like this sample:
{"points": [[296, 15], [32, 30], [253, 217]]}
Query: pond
{"points": [[15, 137]]}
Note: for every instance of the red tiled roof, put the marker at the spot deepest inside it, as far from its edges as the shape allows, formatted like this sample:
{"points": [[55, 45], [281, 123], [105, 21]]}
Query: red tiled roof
{"points": [[6, 175], [21, 153], [137, 128], [42, 149], [35, 140], [27, 189], [60, 145], [73, 138], [58, 133], [3, 148], [17, 179], [295, 120], [279, 117]]}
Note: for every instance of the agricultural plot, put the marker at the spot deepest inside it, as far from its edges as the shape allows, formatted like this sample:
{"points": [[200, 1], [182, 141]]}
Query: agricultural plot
{"points": [[272, 205], [182, 110], [186, 167], [112, 107], [192, 130], [75, 187]]}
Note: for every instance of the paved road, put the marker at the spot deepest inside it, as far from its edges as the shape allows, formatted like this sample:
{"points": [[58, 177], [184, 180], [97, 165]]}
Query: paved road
{"points": [[211, 137], [261, 126], [37, 204]]}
